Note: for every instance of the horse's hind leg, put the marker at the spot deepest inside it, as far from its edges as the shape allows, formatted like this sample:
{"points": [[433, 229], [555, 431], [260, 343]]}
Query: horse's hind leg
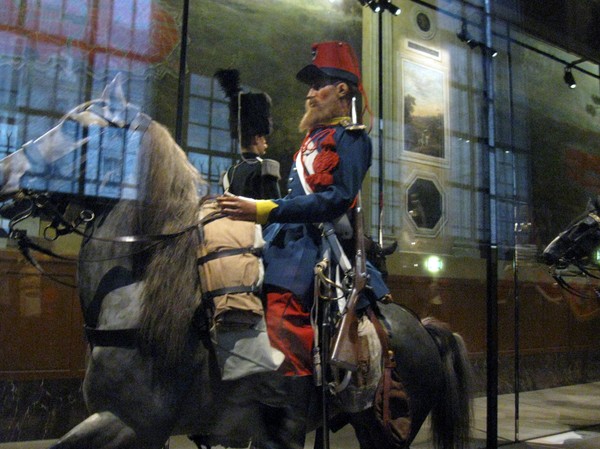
{"points": [[368, 431], [103, 431]]}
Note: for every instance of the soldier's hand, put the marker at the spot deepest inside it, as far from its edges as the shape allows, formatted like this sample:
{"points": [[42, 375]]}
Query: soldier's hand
{"points": [[238, 207]]}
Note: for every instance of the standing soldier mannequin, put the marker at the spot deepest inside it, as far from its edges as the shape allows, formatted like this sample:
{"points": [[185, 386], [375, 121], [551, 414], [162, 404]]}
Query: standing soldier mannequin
{"points": [[326, 178], [250, 122]]}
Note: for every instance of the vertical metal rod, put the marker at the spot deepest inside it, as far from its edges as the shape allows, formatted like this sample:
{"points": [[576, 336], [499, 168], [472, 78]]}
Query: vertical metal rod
{"points": [[518, 230], [380, 113], [182, 68], [325, 341], [492, 256]]}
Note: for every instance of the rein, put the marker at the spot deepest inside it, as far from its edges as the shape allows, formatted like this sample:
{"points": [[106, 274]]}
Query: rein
{"points": [[569, 288], [63, 227], [40, 204]]}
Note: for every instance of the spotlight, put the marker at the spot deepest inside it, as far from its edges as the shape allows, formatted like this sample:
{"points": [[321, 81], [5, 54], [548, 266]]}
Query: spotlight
{"points": [[488, 50], [464, 36], [569, 78], [379, 6], [393, 9], [375, 6]]}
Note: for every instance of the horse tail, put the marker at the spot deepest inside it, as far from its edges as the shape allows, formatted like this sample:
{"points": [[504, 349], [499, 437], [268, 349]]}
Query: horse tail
{"points": [[451, 415]]}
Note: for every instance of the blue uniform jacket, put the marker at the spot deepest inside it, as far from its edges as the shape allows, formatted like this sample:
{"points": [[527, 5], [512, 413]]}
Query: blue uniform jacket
{"points": [[293, 241]]}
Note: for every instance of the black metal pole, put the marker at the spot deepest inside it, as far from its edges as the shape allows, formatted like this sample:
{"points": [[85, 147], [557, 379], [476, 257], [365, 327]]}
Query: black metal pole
{"points": [[492, 254], [380, 113], [517, 231], [325, 341], [182, 68]]}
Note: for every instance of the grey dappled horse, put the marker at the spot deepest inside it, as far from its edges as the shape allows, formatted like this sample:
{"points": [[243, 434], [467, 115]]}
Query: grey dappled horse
{"points": [[152, 372]]}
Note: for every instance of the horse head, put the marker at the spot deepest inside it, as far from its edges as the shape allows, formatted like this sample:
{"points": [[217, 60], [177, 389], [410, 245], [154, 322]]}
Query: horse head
{"points": [[107, 153], [58, 159], [576, 244]]}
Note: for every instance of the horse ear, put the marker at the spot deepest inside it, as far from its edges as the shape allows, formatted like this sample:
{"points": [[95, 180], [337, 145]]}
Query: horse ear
{"points": [[113, 93], [390, 248], [113, 106]]}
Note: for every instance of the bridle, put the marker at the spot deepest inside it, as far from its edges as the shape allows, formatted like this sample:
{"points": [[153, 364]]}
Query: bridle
{"points": [[41, 204], [558, 276], [558, 271]]}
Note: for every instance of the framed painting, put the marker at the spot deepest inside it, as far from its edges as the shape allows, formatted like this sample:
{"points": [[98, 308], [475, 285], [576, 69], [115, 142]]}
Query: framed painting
{"points": [[424, 110]]}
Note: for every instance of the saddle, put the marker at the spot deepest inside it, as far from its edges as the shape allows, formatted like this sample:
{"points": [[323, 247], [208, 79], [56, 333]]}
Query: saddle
{"points": [[376, 385]]}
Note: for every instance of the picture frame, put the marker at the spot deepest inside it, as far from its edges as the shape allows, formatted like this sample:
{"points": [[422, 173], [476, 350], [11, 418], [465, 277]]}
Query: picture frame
{"points": [[424, 111]]}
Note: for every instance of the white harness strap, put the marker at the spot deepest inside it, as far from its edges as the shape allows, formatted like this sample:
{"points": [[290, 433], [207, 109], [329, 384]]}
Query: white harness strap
{"points": [[225, 181], [328, 228], [301, 174]]}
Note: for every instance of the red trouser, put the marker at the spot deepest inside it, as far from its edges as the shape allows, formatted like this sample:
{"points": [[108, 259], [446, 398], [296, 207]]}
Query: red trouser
{"points": [[289, 329]]}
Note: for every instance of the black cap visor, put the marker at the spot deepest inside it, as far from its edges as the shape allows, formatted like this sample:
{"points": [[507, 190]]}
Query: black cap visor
{"points": [[311, 73]]}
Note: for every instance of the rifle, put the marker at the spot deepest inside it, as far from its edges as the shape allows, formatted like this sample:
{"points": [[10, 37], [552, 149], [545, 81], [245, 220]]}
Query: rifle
{"points": [[345, 346]]}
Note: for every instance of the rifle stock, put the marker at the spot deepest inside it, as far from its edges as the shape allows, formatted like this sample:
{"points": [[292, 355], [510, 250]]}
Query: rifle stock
{"points": [[344, 353]]}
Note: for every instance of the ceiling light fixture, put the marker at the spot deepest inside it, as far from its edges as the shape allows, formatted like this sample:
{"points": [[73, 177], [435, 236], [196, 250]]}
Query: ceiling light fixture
{"points": [[393, 9], [379, 6], [375, 6], [464, 36], [569, 78]]}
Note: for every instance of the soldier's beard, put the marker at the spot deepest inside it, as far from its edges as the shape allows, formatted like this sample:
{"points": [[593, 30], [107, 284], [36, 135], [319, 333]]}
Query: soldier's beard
{"points": [[319, 112]]}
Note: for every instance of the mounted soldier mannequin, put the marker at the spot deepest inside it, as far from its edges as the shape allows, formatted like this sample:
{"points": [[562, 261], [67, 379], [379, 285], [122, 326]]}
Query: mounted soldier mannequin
{"points": [[325, 180], [139, 292]]}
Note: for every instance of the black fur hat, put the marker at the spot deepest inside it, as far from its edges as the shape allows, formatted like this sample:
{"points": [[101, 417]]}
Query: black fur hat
{"points": [[254, 113]]}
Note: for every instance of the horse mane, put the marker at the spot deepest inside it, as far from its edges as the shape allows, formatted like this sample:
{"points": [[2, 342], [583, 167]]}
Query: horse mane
{"points": [[169, 199]]}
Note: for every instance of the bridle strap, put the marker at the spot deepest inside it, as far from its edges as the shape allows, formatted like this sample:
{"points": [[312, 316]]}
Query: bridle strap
{"points": [[122, 338], [586, 271], [572, 290], [42, 202], [25, 244]]}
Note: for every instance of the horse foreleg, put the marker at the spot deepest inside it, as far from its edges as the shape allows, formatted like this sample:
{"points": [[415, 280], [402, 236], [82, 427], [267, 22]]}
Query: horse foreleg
{"points": [[103, 431]]}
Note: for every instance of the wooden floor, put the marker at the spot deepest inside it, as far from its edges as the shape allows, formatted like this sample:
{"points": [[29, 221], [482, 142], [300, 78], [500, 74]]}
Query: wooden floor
{"points": [[558, 418]]}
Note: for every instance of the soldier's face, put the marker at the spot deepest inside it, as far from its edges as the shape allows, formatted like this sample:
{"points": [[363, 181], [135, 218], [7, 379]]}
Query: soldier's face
{"points": [[261, 145], [322, 105], [321, 92]]}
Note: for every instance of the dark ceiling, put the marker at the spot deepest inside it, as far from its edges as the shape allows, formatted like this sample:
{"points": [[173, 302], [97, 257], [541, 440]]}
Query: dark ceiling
{"points": [[571, 24]]}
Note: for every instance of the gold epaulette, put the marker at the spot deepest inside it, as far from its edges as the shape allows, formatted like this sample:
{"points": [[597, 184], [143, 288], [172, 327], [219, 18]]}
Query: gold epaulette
{"points": [[347, 123]]}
